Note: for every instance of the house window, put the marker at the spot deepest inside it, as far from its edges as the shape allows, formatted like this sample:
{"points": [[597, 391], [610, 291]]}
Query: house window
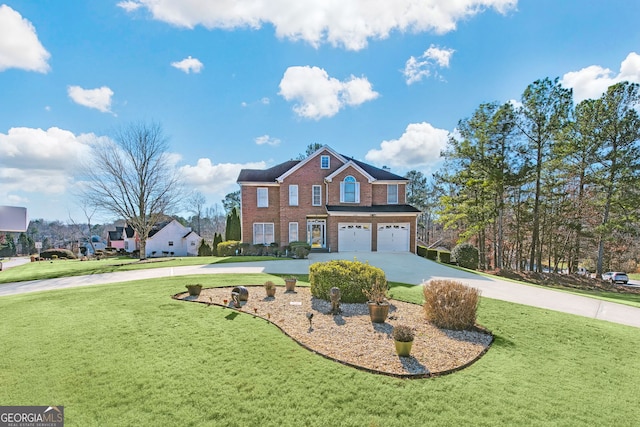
{"points": [[263, 233], [392, 194], [170, 243], [316, 197], [293, 231], [350, 190], [293, 195], [263, 197], [324, 162]]}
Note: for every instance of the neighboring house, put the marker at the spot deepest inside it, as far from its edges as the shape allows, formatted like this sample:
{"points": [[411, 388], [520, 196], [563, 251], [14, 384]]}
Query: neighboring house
{"points": [[172, 239], [333, 202], [123, 238], [96, 243]]}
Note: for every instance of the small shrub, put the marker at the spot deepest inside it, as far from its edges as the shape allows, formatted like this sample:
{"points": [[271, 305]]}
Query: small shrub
{"points": [[432, 254], [204, 249], [377, 292], [352, 277], [403, 333], [444, 257], [450, 305], [466, 255], [228, 248], [269, 285], [299, 249], [57, 253]]}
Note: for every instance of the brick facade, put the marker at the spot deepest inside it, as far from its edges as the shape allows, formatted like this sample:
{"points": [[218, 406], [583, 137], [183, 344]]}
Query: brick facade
{"points": [[372, 208]]}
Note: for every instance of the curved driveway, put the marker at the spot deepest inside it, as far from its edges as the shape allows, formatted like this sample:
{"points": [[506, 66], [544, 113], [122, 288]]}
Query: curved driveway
{"points": [[398, 267]]}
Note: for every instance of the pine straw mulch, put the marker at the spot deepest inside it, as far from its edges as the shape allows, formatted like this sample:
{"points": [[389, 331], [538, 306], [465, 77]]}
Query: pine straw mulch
{"points": [[352, 339], [565, 281]]}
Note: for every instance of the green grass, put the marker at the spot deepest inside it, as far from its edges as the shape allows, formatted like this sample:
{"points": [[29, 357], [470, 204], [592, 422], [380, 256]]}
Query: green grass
{"points": [[65, 268], [128, 354]]}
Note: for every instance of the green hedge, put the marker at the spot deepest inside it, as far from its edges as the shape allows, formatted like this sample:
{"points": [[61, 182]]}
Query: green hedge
{"points": [[466, 255], [432, 254], [422, 251], [444, 257], [299, 249], [228, 248], [350, 276]]}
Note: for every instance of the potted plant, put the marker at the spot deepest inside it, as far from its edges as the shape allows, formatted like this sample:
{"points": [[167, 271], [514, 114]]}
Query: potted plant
{"points": [[377, 303], [290, 283], [403, 336], [194, 290], [270, 288]]}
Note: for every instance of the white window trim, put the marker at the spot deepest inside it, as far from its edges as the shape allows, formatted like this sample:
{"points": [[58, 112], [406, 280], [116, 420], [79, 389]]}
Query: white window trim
{"points": [[328, 162], [313, 194], [293, 195], [293, 238], [265, 201], [356, 190], [390, 201], [263, 241]]}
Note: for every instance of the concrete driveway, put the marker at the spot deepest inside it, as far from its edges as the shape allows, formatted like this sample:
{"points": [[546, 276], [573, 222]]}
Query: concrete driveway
{"points": [[398, 267]]}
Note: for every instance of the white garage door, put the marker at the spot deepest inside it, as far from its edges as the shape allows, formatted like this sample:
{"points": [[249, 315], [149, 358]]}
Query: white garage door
{"points": [[354, 237], [393, 237]]}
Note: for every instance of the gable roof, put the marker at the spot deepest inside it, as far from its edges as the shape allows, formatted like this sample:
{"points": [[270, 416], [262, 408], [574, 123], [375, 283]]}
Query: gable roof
{"points": [[280, 171], [266, 175], [347, 165], [309, 158]]}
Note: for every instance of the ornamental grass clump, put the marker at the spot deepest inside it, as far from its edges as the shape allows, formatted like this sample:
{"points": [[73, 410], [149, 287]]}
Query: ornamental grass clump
{"points": [[450, 305], [403, 333]]}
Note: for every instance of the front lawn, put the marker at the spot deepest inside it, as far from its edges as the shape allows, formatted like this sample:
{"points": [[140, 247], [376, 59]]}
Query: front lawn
{"points": [[51, 269], [128, 354]]}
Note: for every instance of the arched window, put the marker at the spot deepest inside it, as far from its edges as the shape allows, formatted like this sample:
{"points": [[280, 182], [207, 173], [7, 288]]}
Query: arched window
{"points": [[349, 190]]}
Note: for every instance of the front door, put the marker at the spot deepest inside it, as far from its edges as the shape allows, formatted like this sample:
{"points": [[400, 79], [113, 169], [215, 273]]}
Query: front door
{"points": [[316, 233]]}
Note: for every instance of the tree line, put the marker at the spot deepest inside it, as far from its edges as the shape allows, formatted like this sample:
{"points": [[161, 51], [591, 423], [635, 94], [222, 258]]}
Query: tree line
{"points": [[542, 183]]}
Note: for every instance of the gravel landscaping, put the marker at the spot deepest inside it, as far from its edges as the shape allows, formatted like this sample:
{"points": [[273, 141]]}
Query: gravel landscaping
{"points": [[351, 338]]}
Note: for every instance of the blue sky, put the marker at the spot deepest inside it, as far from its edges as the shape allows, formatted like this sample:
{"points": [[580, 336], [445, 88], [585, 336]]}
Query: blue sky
{"points": [[251, 83]]}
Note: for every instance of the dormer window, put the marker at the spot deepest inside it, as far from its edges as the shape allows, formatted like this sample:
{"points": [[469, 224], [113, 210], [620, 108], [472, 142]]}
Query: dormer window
{"points": [[325, 162], [349, 190]]}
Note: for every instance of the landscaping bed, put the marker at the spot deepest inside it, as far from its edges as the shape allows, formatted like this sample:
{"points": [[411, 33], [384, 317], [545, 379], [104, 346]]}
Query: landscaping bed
{"points": [[351, 338], [565, 281]]}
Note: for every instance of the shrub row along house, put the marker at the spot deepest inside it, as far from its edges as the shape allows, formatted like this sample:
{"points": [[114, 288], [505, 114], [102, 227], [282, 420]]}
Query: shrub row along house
{"points": [[331, 201], [169, 238]]}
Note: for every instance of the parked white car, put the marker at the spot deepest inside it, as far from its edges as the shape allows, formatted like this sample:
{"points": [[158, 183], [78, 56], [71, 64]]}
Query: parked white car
{"points": [[615, 277]]}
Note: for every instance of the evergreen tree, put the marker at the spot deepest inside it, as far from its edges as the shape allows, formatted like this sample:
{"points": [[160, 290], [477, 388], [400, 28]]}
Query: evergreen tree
{"points": [[233, 229]]}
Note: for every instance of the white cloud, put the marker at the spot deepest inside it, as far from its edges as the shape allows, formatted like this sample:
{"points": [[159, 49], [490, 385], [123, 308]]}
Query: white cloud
{"points": [[266, 139], [592, 81], [188, 65], [419, 145], [99, 98], [320, 95], [216, 179], [424, 66], [349, 23], [129, 6], [19, 44], [36, 160]]}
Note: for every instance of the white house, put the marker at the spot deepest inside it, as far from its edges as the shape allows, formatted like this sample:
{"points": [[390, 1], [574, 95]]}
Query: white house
{"points": [[172, 239]]}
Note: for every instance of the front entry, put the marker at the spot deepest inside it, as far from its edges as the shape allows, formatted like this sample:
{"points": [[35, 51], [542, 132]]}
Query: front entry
{"points": [[316, 233]]}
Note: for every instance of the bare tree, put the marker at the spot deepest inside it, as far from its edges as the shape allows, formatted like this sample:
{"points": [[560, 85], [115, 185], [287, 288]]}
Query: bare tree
{"points": [[195, 204], [131, 176]]}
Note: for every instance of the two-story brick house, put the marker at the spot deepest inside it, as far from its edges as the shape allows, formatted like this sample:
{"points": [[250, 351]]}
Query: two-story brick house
{"points": [[334, 202]]}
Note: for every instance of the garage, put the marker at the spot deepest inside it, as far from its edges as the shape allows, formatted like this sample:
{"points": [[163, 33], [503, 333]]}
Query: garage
{"points": [[354, 237], [393, 237]]}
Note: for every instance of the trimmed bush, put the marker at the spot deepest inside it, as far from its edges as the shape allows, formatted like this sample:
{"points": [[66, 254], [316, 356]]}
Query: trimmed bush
{"points": [[352, 277], [444, 257], [466, 255], [450, 305], [57, 253], [432, 254], [299, 249], [422, 251], [228, 248]]}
